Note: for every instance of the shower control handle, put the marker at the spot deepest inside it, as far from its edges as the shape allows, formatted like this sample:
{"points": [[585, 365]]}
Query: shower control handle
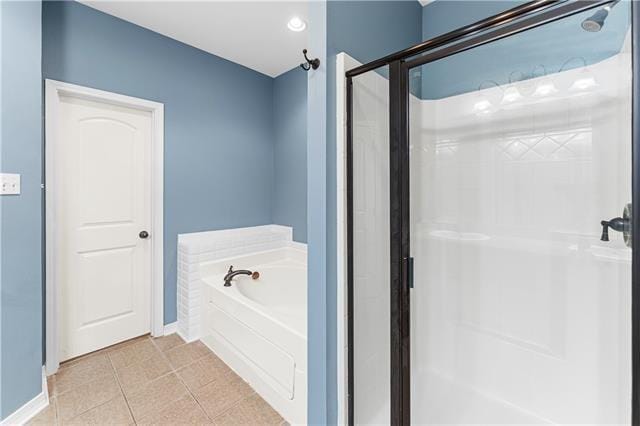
{"points": [[620, 224], [617, 224]]}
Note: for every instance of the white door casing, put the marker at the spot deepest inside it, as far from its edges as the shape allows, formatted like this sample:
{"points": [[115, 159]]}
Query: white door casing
{"points": [[104, 186]]}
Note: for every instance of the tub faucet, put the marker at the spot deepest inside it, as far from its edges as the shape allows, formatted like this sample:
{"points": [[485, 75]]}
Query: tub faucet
{"points": [[231, 273]]}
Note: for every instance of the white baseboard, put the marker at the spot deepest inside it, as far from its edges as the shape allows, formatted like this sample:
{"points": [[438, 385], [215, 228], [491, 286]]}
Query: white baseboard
{"points": [[182, 335], [171, 328], [29, 410]]}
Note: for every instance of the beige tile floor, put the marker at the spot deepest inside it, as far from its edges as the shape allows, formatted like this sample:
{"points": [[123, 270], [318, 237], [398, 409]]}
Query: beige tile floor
{"points": [[152, 381]]}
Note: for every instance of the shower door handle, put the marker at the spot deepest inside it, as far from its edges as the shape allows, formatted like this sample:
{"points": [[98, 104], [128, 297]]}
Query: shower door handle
{"points": [[408, 261]]}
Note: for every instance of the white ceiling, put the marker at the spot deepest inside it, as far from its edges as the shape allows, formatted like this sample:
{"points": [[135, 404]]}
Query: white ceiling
{"points": [[250, 33]]}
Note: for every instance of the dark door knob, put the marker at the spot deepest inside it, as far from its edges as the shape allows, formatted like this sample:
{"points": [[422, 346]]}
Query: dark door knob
{"points": [[143, 234]]}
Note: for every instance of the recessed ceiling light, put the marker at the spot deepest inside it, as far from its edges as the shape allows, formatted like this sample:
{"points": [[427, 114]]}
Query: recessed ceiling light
{"points": [[296, 24]]}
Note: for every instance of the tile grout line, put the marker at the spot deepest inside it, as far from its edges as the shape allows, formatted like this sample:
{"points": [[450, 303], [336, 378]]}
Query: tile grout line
{"points": [[235, 404], [93, 408], [174, 370], [150, 381], [251, 395], [53, 399], [56, 416], [193, 396], [231, 371], [171, 371], [124, 395], [93, 379]]}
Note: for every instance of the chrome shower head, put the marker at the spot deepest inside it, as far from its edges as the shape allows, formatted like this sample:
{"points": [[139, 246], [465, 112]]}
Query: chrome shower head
{"points": [[595, 22]]}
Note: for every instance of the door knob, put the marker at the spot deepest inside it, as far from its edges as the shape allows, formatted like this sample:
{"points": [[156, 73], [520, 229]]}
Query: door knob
{"points": [[143, 234]]}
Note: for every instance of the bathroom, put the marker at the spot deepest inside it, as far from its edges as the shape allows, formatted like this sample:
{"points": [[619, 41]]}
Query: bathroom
{"points": [[319, 212]]}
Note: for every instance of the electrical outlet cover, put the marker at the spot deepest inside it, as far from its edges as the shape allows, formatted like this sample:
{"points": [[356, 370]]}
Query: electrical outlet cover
{"points": [[9, 184]]}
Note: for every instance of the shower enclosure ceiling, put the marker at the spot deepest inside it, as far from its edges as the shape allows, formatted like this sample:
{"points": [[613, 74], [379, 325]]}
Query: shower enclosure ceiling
{"points": [[481, 175]]}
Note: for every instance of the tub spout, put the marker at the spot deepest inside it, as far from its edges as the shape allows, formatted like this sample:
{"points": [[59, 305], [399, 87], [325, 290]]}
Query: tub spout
{"points": [[231, 273]]}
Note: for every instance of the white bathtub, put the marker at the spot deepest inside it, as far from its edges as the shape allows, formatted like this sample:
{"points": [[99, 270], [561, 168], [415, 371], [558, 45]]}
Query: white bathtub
{"points": [[259, 327]]}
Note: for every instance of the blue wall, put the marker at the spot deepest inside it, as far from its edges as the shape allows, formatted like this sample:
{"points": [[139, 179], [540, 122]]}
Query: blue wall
{"points": [[218, 118], [317, 220], [365, 30], [290, 152], [522, 56], [20, 225]]}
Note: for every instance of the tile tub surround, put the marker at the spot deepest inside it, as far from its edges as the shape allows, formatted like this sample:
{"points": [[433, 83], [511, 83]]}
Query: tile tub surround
{"points": [[199, 247], [152, 381]]}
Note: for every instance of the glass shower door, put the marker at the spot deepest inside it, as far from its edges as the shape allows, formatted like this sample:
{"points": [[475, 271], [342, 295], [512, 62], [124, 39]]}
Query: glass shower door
{"points": [[370, 310], [521, 307]]}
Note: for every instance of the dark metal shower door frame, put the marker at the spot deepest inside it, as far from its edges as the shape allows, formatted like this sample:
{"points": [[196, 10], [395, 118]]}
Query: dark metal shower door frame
{"points": [[519, 19]]}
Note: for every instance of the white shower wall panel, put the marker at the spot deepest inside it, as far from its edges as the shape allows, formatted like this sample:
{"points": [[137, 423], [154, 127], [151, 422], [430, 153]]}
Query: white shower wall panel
{"points": [[520, 314]]}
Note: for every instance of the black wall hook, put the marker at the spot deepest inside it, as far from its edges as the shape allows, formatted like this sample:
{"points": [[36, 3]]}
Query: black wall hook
{"points": [[311, 63]]}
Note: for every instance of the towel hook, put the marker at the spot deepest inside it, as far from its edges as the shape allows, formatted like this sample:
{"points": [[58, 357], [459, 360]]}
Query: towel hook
{"points": [[311, 63]]}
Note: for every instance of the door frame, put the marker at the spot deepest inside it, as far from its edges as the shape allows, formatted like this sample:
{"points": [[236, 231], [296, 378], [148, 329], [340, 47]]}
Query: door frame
{"points": [[53, 91], [529, 15]]}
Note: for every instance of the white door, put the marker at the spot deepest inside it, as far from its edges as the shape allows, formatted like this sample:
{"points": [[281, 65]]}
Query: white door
{"points": [[103, 194]]}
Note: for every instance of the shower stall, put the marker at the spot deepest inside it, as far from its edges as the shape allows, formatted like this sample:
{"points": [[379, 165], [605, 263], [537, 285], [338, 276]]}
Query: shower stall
{"points": [[492, 194]]}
